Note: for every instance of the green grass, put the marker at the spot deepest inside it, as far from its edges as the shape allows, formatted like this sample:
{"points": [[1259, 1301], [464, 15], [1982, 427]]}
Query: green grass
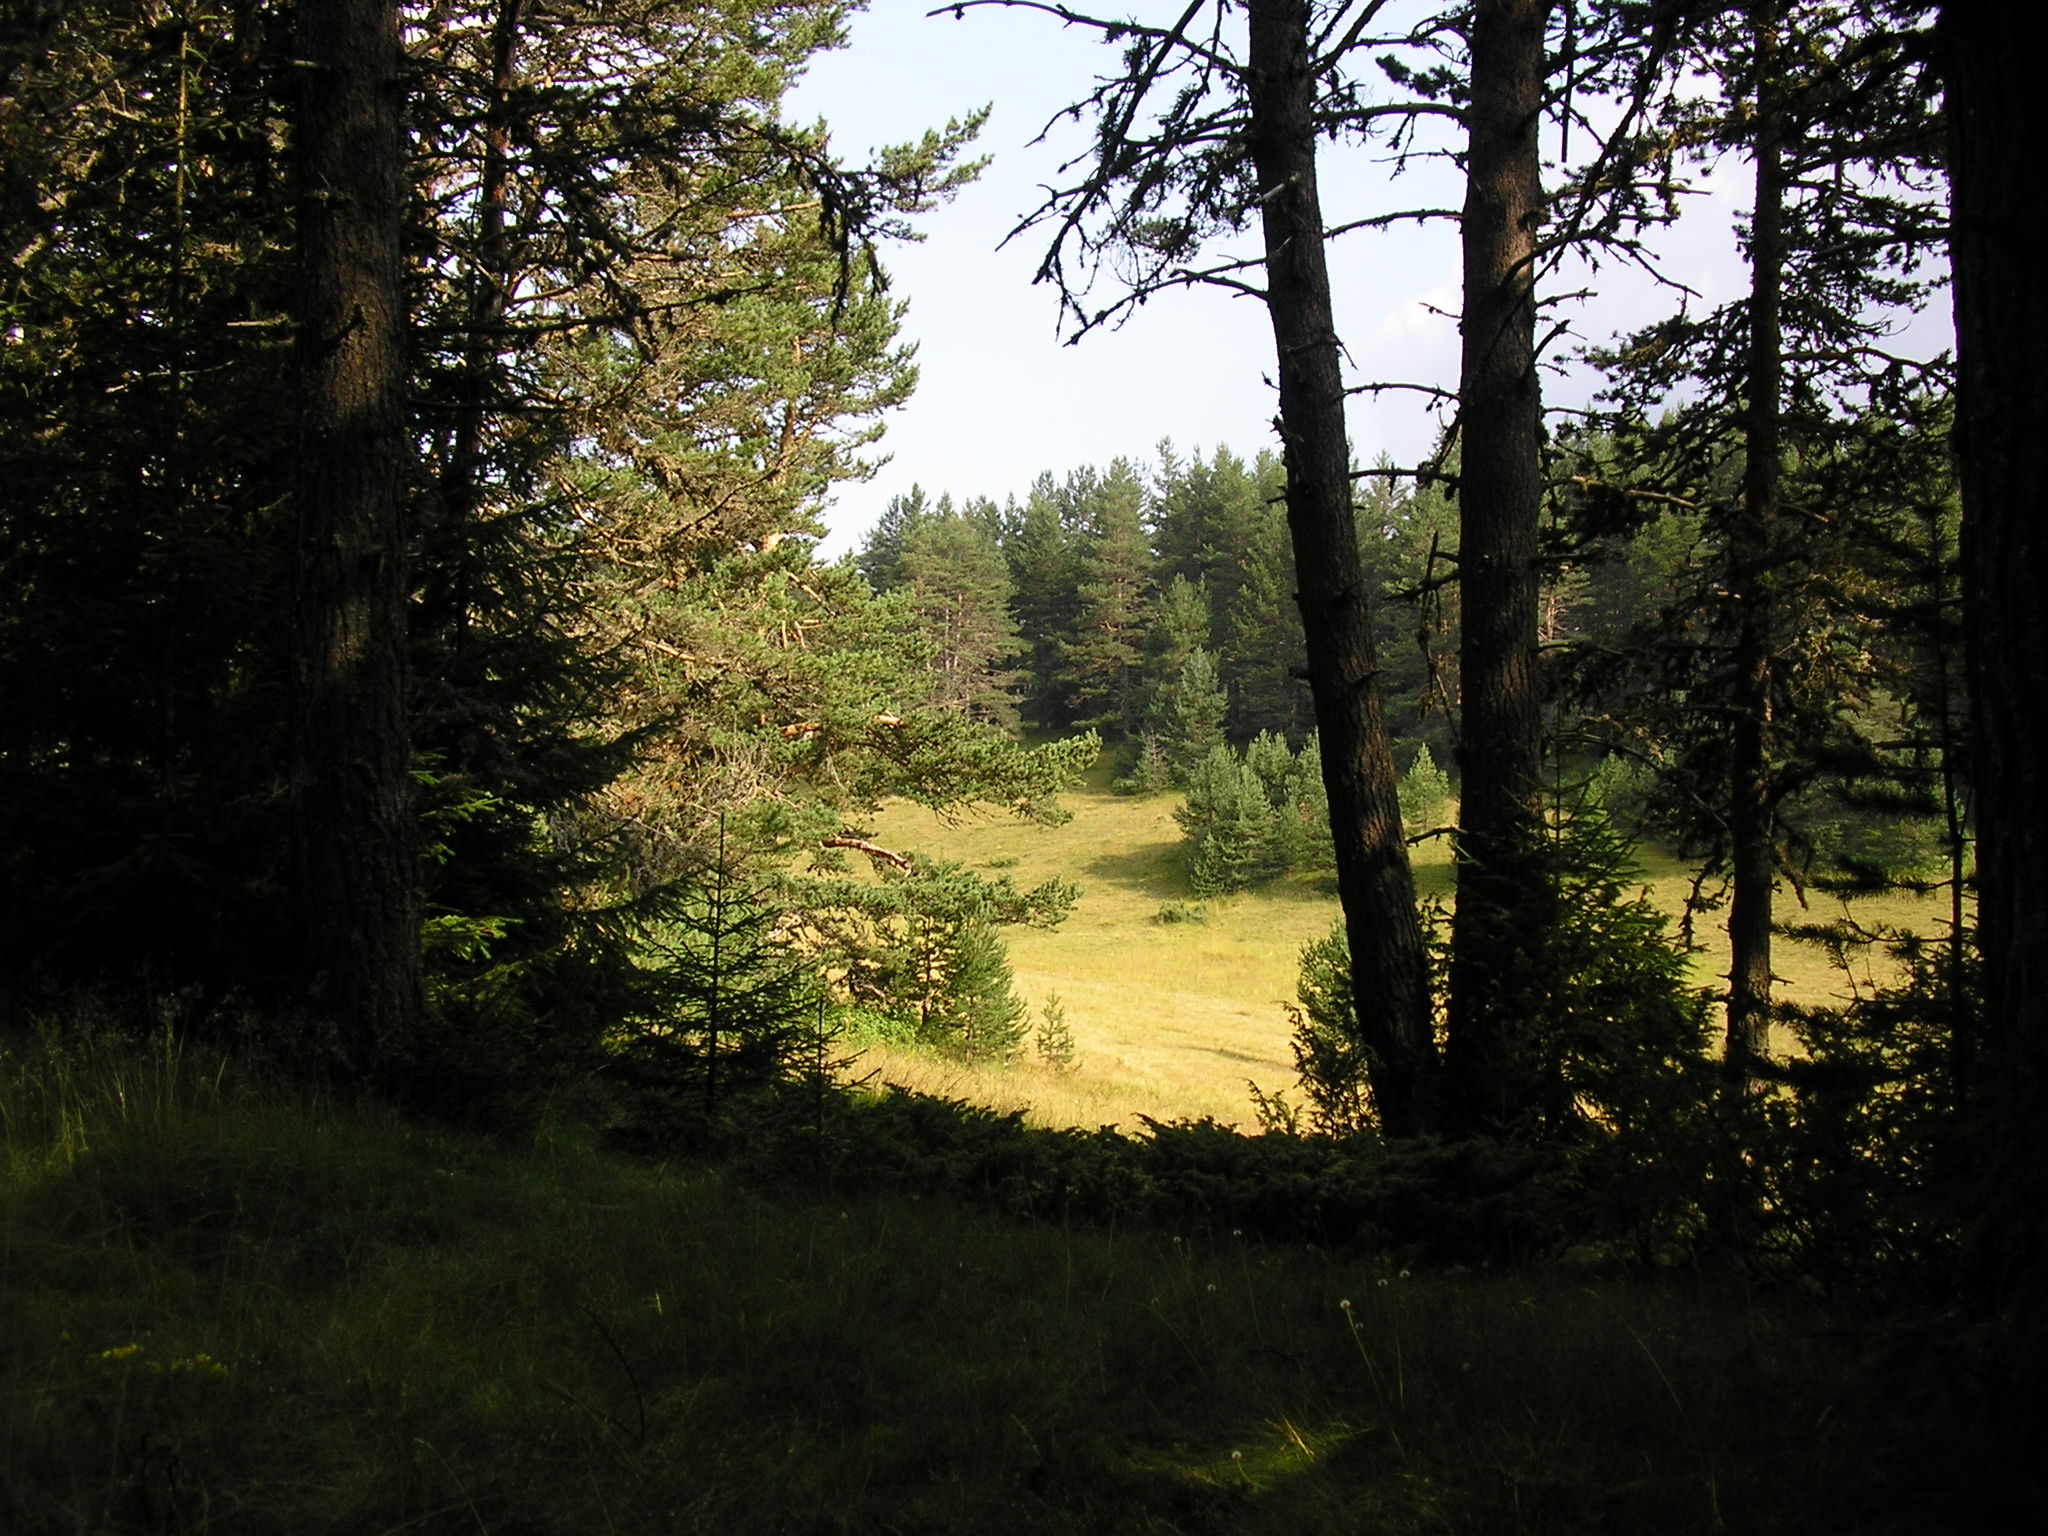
{"points": [[226, 1308], [1172, 1018]]}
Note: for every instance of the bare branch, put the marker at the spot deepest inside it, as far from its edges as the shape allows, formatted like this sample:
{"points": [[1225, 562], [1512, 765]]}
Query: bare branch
{"points": [[874, 851]]}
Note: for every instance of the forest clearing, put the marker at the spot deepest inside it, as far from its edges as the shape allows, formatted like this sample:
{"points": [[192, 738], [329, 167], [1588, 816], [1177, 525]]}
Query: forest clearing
{"points": [[1176, 1001], [556, 980]]}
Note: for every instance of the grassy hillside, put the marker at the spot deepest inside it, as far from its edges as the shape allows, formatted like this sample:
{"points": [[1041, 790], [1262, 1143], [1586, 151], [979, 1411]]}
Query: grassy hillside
{"points": [[229, 1309], [1172, 1018]]}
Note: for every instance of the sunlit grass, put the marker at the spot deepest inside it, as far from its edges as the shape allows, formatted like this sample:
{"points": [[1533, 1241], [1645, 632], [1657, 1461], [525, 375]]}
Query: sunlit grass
{"points": [[1173, 1019], [1170, 1019]]}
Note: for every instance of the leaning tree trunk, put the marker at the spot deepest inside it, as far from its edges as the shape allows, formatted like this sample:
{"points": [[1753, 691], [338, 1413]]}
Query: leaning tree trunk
{"points": [[1502, 905], [358, 877], [1374, 883], [1997, 237], [1752, 575]]}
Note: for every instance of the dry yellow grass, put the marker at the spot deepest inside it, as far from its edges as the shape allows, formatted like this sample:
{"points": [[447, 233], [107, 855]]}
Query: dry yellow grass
{"points": [[1174, 1019], [1169, 1019]]}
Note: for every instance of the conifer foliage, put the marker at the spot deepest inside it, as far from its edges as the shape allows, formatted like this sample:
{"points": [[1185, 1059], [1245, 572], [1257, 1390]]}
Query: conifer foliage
{"points": [[642, 336]]}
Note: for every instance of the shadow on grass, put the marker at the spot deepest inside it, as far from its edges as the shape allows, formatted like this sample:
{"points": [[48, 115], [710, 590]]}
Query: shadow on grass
{"points": [[1152, 868]]}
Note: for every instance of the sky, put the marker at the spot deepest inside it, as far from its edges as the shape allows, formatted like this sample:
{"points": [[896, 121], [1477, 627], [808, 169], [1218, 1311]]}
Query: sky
{"points": [[1001, 398]]}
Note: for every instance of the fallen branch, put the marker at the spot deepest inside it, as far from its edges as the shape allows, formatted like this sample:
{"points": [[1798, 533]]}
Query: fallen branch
{"points": [[872, 850]]}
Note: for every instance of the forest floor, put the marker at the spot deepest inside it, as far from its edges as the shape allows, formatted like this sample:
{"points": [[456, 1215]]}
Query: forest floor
{"points": [[1177, 1003], [227, 1307]]}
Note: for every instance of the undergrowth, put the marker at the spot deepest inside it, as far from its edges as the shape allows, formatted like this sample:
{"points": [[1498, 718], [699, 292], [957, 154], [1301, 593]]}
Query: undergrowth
{"points": [[228, 1307]]}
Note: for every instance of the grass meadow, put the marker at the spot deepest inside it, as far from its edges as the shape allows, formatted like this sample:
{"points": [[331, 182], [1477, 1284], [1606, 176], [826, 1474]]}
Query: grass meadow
{"points": [[226, 1308], [1172, 1019]]}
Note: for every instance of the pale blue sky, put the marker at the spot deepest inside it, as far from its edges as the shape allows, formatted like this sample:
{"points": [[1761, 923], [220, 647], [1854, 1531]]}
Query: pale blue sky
{"points": [[1001, 398]]}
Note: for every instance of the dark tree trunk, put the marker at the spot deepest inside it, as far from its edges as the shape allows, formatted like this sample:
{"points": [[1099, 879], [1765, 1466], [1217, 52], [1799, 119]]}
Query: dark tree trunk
{"points": [[1502, 904], [1752, 572], [1998, 235], [448, 600], [358, 876], [1373, 879]]}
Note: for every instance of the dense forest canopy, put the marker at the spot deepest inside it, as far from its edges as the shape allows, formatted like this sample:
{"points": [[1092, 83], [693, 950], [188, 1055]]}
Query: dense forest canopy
{"points": [[415, 425]]}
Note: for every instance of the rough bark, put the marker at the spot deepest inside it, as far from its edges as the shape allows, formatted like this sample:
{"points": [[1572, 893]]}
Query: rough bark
{"points": [[358, 876], [1374, 882], [1501, 907], [1752, 559], [1998, 234]]}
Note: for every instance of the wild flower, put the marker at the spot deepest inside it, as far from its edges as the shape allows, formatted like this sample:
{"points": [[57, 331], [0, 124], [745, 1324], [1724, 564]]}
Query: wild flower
{"points": [[197, 1365], [121, 1352]]}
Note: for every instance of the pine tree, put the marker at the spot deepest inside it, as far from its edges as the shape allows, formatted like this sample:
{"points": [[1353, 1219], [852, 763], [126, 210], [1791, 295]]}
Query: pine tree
{"points": [[1197, 139], [1991, 110], [736, 994], [1263, 655], [974, 1009], [1230, 826], [1500, 495], [1180, 626], [1053, 1038], [1045, 573], [146, 446], [1195, 721], [1104, 661], [959, 587], [922, 945], [1207, 514], [1762, 668], [1425, 793], [882, 551]]}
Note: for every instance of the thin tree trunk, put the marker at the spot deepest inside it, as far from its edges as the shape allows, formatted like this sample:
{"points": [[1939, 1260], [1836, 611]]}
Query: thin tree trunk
{"points": [[1998, 235], [1501, 892], [358, 876], [490, 285], [1752, 561], [1374, 882]]}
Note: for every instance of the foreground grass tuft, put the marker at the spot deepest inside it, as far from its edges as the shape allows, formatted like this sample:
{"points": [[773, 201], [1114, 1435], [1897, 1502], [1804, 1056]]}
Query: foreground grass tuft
{"points": [[227, 1308]]}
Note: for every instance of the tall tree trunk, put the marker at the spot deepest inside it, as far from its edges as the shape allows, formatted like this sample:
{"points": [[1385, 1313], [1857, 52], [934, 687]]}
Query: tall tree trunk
{"points": [[448, 600], [358, 876], [1998, 234], [1502, 906], [1374, 882], [1752, 550]]}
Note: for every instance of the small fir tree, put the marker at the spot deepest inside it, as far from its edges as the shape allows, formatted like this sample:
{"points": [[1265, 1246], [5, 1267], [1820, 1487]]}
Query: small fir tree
{"points": [[965, 1002], [1425, 793], [737, 995], [1152, 771], [1054, 1038]]}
